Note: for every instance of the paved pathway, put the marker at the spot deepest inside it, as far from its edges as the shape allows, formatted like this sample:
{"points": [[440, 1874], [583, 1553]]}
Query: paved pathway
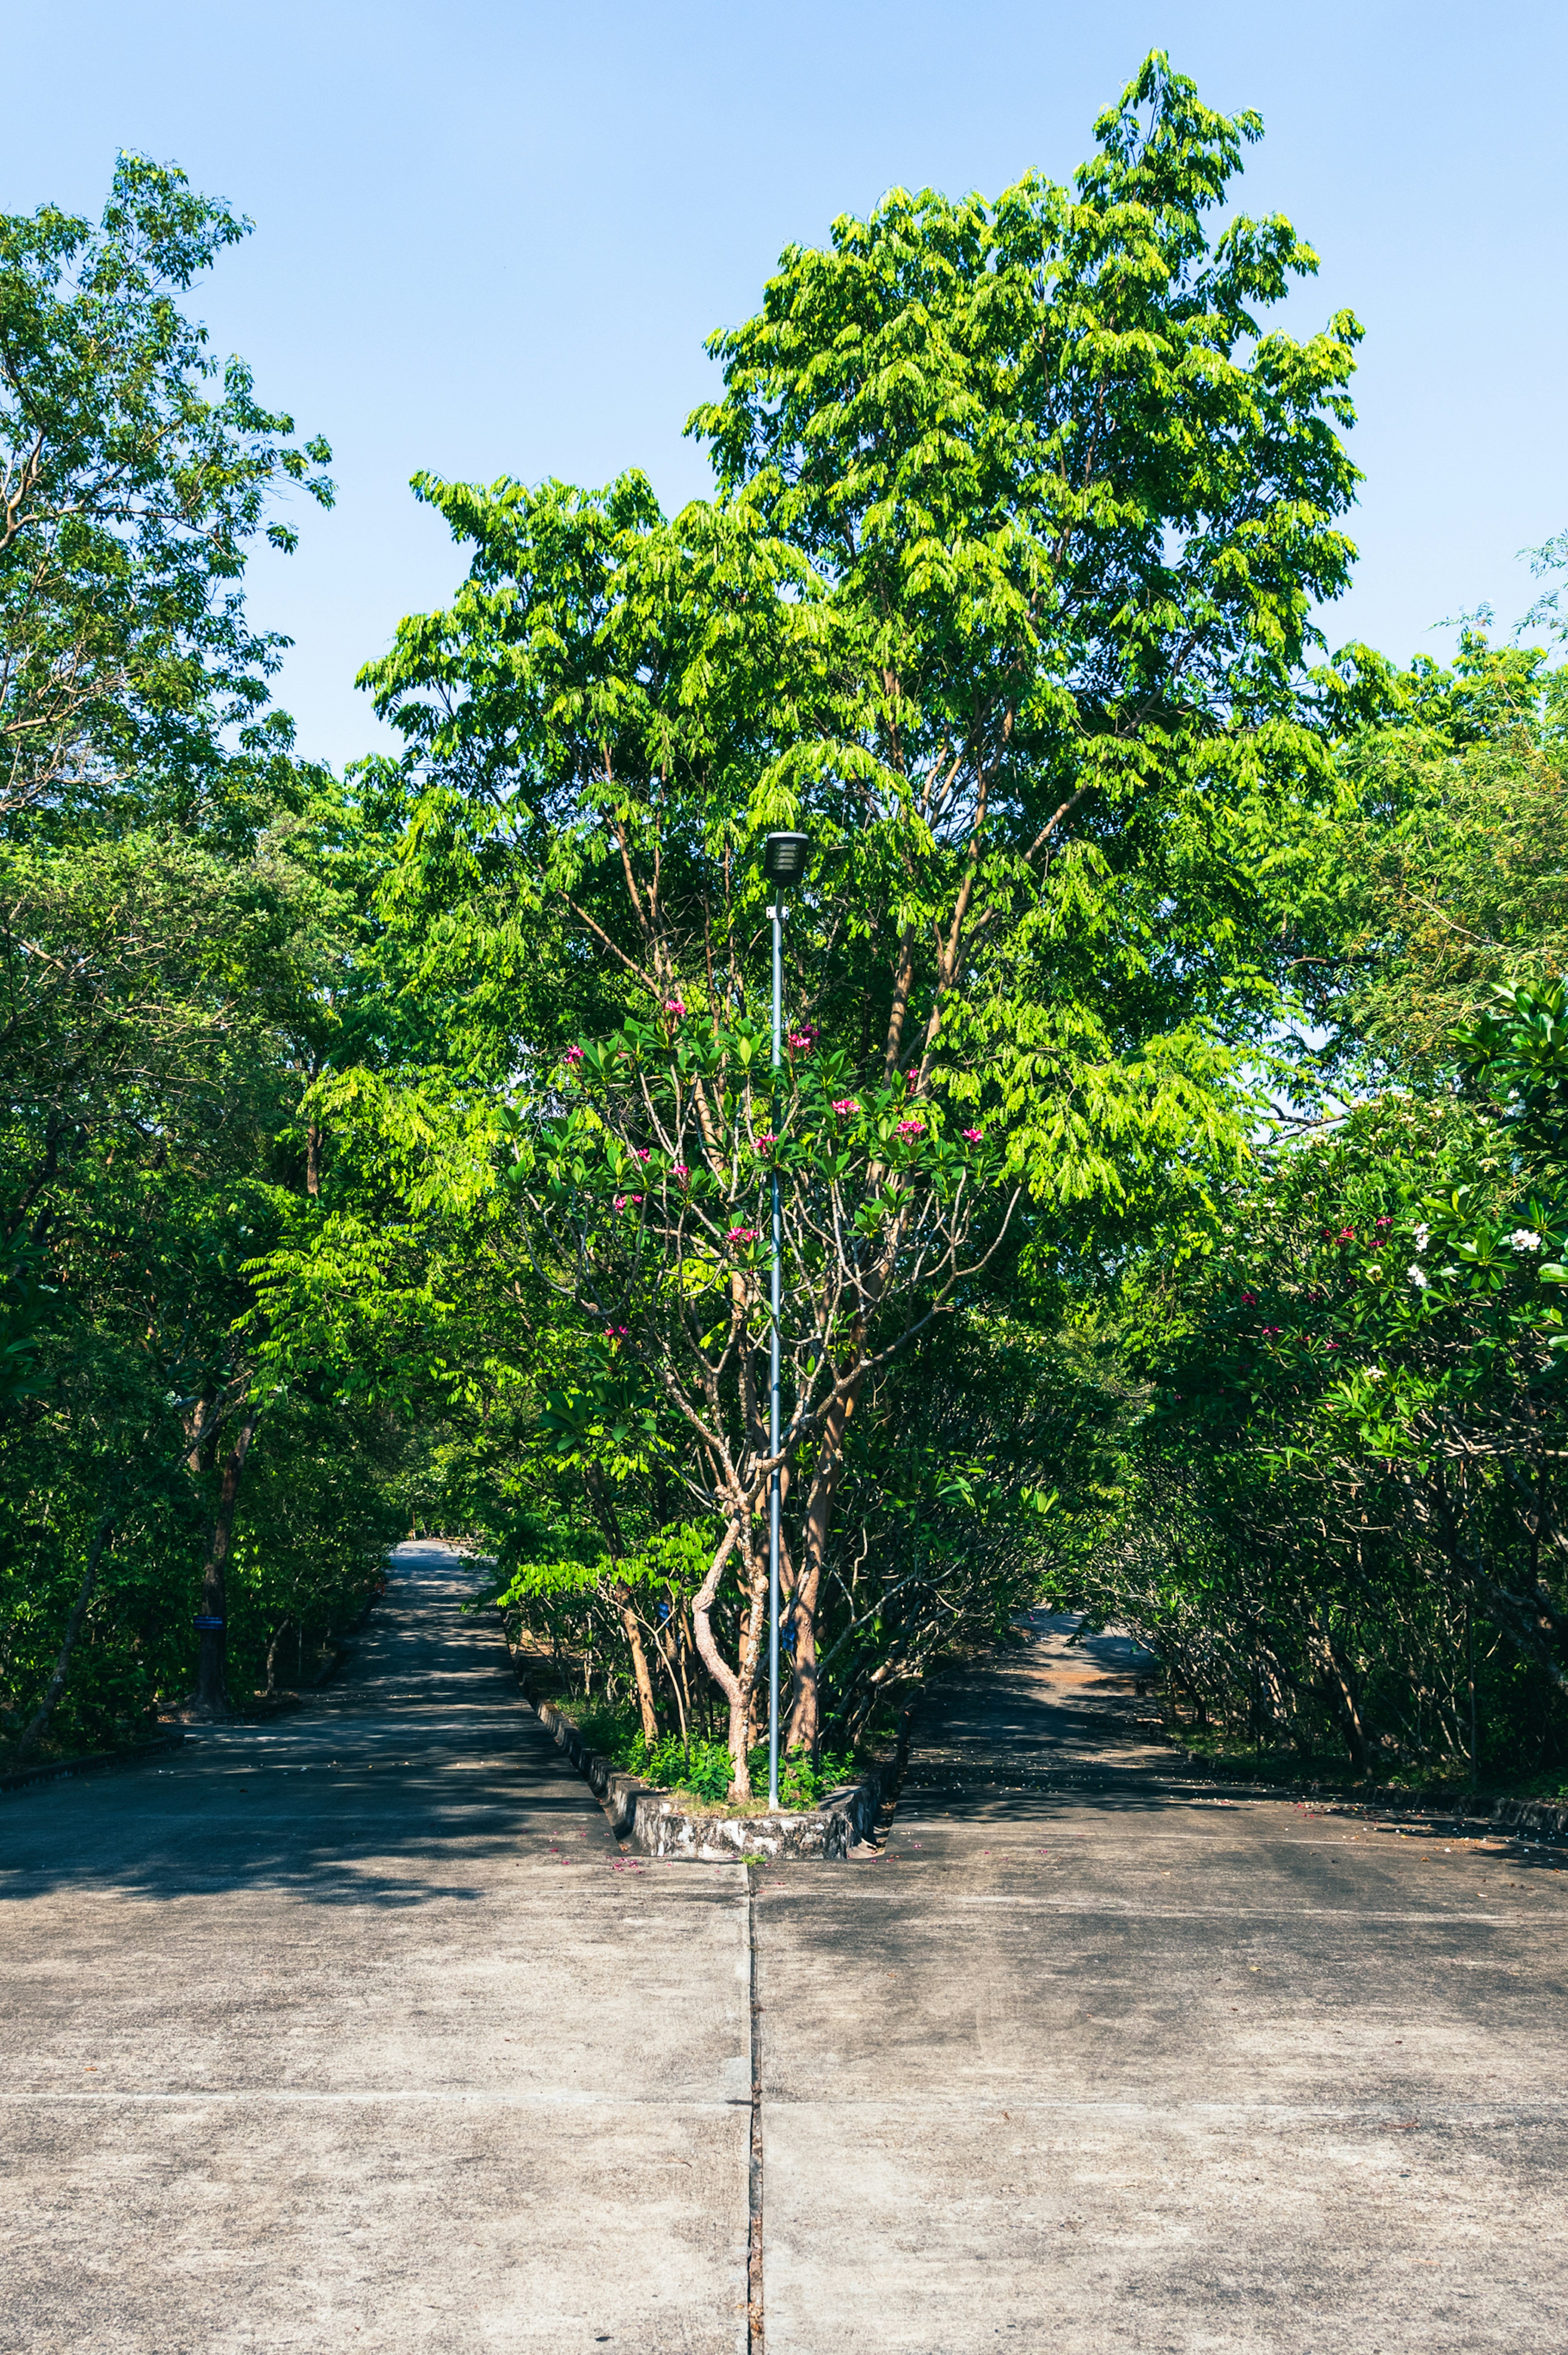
{"points": [[357, 2033], [1093, 2060]]}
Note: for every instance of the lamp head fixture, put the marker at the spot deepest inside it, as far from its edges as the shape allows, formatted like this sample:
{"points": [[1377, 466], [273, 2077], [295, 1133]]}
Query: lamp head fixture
{"points": [[784, 857]]}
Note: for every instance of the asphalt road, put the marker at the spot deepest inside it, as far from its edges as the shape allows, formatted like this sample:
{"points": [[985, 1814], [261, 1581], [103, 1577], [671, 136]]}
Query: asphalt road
{"points": [[359, 2032]]}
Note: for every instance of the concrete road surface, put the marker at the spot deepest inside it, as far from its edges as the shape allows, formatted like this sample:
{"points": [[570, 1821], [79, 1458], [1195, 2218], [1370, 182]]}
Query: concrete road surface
{"points": [[1089, 2061], [358, 2033]]}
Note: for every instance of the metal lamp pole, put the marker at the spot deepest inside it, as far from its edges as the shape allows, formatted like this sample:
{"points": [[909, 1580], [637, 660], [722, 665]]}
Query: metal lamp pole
{"points": [[783, 862]]}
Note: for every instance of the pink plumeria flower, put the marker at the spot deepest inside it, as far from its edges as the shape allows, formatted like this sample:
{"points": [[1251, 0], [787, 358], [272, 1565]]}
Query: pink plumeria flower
{"points": [[844, 1105], [674, 1006], [974, 1136], [743, 1234], [615, 1332], [766, 1140], [573, 1054], [641, 1151], [680, 1172], [911, 1128]]}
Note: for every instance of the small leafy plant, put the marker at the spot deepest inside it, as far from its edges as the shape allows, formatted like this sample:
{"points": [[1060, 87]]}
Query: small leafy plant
{"points": [[705, 1769]]}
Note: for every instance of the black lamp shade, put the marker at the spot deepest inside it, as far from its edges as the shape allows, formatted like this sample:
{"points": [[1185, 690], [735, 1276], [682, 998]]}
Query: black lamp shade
{"points": [[784, 857]]}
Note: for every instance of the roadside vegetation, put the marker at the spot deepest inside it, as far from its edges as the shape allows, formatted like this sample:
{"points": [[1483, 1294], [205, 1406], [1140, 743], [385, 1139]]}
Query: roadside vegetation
{"points": [[1170, 1137]]}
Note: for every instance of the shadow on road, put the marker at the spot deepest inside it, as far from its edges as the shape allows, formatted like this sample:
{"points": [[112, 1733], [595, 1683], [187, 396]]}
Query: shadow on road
{"points": [[422, 1758]]}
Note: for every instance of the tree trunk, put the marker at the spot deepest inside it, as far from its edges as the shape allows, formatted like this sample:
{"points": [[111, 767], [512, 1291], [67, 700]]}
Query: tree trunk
{"points": [[669, 1653], [718, 1667], [276, 1637], [314, 1160], [620, 1594], [748, 1648], [805, 1727], [628, 1621], [1342, 1701], [198, 1430], [742, 1733], [736, 1688], [211, 1699], [38, 1723]]}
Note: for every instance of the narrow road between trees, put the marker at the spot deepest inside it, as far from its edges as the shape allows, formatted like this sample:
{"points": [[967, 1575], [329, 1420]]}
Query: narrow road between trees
{"points": [[358, 2031], [1099, 2056]]}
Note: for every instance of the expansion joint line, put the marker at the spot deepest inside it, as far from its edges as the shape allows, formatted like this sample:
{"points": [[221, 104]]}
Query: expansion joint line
{"points": [[754, 2331]]}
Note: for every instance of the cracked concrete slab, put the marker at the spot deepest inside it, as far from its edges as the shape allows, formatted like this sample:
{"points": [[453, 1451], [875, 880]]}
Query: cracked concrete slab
{"points": [[358, 2031], [1106, 2062]]}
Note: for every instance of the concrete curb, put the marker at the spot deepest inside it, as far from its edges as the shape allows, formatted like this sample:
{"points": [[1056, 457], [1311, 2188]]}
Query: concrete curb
{"points": [[1537, 1819], [97, 1762], [651, 1824]]}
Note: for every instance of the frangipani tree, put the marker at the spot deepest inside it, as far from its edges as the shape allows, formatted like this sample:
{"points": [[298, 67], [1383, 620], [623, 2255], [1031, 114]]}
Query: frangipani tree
{"points": [[1351, 1479], [646, 1200]]}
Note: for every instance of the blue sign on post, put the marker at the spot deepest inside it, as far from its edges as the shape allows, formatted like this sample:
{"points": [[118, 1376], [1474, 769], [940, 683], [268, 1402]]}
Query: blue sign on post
{"points": [[204, 1620]]}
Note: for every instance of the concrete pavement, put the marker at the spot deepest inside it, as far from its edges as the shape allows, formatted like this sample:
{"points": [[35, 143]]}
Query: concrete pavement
{"points": [[356, 2032], [1093, 2060]]}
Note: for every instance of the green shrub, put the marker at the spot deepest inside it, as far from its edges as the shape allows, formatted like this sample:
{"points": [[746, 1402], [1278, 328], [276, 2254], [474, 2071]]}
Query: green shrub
{"points": [[703, 1769], [801, 1785], [616, 1733]]}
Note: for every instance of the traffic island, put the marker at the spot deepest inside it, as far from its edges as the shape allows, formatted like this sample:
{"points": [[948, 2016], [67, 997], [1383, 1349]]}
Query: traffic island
{"points": [[659, 1823]]}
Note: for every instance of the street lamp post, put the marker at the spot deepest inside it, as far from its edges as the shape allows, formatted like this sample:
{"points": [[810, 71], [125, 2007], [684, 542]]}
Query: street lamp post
{"points": [[783, 862]]}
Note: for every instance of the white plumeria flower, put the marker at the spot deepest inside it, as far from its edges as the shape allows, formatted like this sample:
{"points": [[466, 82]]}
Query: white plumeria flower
{"points": [[1525, 1239], [1372, 1374], [1419, 1276], [1422, 1231]]}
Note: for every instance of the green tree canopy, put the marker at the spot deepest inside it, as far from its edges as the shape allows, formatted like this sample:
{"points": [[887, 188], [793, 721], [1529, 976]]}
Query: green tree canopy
{"points": [[133, 471], [1005, 599]]}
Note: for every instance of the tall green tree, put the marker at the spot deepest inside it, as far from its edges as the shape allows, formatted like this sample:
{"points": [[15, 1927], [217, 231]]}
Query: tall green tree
{"points": [[169, 939], [135, 471], [1343, 1521], [1006, 602]]}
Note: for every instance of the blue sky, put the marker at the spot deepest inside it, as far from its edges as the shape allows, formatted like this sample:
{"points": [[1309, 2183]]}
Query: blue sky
{"points": [[493, 239]]}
